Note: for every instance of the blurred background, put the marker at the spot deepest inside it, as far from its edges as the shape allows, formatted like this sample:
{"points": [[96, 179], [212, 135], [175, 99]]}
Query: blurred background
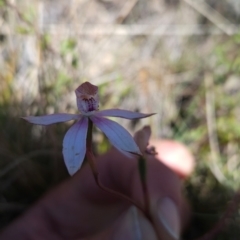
{"points": [[179, 59]]}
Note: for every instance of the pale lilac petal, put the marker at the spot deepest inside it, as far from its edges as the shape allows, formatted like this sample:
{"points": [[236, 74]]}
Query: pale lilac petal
{"points": [[74, 145], [52, 118], [122, 114], [117, 135]]}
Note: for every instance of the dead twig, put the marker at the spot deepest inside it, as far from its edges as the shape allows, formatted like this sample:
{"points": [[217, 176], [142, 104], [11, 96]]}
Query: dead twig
{"points": [[212, 129], [126, 10], [212, 15]]}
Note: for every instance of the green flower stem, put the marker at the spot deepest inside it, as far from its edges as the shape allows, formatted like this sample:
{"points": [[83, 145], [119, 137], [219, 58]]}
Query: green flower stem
{"points": [[91, 160], [142, 167], [89, 135]]}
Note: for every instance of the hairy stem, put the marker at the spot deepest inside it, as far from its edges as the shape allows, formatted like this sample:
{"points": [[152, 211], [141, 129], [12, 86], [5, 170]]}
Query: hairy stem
{"points": [[91, 159], [142, 167]]}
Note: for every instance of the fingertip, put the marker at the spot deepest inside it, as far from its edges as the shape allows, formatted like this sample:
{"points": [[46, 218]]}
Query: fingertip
{"points": [[133, 225], [175, 155], [167, 216]]}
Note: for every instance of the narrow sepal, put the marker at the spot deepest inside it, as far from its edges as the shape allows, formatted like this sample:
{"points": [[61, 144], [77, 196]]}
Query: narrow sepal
{"points": [[122, 114], [51, 118]]}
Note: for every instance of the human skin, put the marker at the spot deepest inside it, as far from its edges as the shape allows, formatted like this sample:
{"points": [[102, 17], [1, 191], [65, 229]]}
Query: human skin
{"points": [[79, 209]]}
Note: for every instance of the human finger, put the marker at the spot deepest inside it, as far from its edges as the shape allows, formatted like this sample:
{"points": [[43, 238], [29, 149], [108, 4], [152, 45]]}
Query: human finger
{"points": [[78, 208]]}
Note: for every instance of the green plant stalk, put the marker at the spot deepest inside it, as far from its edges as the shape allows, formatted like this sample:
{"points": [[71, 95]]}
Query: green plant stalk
{"points": [[91, 159], [142, 167]]}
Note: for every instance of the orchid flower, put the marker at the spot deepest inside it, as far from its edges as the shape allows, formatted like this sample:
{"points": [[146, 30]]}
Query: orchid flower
{"points": [[74, 142]]}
